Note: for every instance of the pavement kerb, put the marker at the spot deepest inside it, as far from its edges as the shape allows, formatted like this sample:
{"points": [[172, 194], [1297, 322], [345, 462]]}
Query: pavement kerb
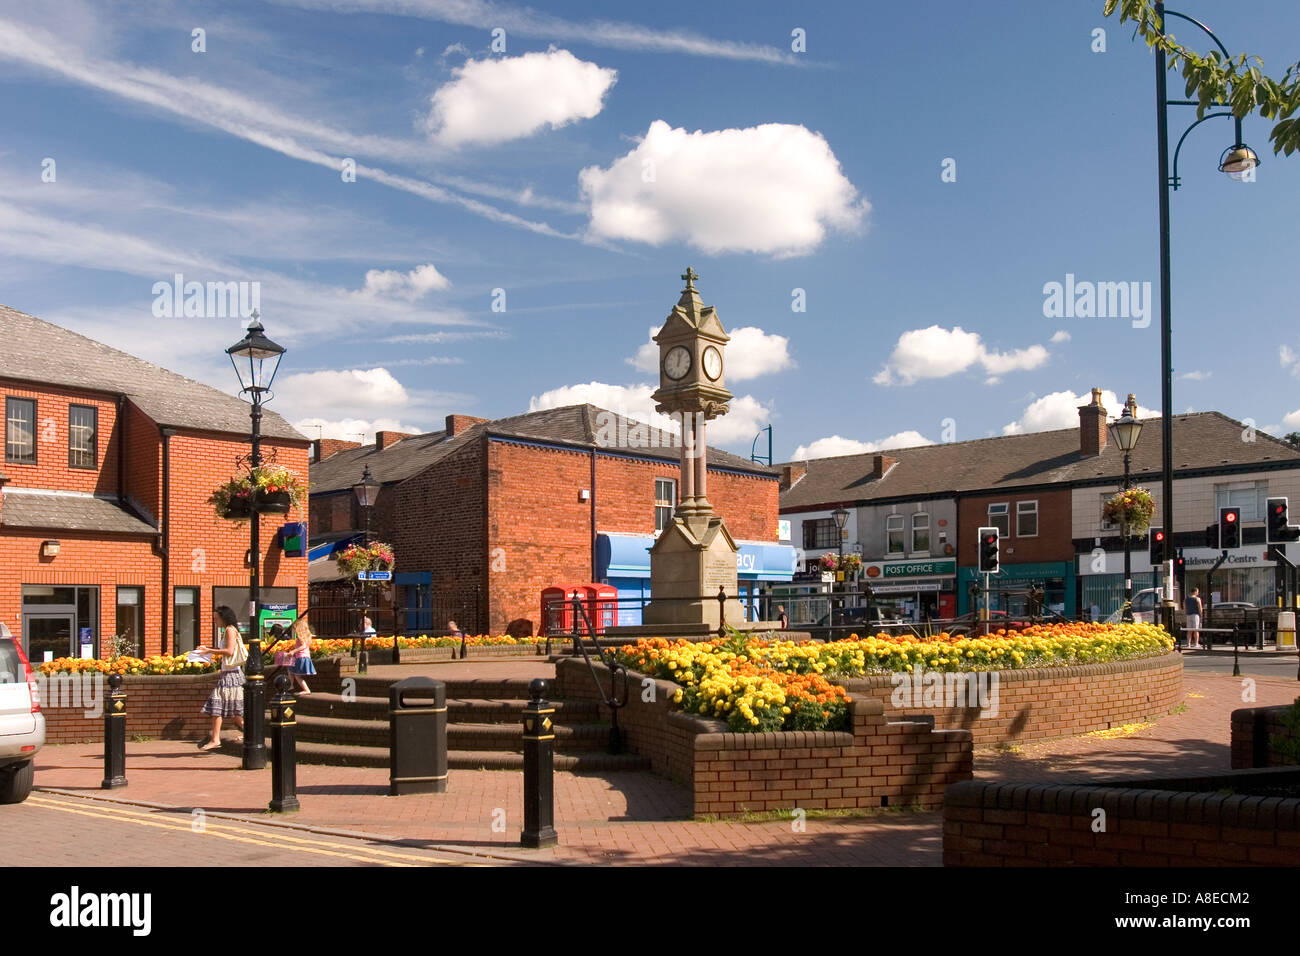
{"points": [[285, 824]]}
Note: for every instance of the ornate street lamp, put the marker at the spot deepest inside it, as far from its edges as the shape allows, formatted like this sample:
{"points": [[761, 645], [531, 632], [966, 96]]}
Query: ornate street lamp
{"points": [[1237, 161], [1126, 430], [367, 493], [841, 518], [256, 360]]}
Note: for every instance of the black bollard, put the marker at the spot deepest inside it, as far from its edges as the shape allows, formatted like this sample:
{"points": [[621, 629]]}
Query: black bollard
{"points": [[115, 736], [284, 747], [539, 770]]}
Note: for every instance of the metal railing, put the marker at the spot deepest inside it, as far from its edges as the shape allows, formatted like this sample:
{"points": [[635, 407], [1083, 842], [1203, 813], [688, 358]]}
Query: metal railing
{"points": [[616, 669]]}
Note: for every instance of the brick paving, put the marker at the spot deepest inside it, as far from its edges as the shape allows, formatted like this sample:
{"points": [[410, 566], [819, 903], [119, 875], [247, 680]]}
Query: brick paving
{"points": [[637, 817]]}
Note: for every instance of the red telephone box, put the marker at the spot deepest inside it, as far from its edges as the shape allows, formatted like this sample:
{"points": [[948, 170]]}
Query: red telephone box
{"points": [[557, 607], [601, 602]]}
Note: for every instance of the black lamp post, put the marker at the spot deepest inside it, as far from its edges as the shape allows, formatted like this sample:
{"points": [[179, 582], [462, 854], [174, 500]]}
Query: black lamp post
{"points": [[256, 360], [367, 492], [841, 518], [1125, 430], [1237, 160]]}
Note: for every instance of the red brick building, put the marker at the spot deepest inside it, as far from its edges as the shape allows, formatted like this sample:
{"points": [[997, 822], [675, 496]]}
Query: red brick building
{"points": [[485, 514], [105, 528]]}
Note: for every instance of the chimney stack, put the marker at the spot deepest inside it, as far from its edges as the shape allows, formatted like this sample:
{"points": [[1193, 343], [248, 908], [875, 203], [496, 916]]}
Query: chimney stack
{"points": [[324, 447], [459, 423], [385, 439], [1092, 426], [881, 464], [790, 474]]}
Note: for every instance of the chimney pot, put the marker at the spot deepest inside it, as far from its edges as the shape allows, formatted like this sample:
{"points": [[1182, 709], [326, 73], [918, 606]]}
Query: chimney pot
{"points": [[1092, 426]]}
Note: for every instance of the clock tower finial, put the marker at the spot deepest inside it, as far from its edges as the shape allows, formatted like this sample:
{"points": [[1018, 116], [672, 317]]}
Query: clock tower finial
{"points": [[690, 275]]}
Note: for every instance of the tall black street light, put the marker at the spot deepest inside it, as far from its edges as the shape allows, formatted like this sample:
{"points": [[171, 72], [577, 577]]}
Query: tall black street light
{"points": [[367, 493], [1237, 160], [1125, 430], [841, 519], [256, 359]]}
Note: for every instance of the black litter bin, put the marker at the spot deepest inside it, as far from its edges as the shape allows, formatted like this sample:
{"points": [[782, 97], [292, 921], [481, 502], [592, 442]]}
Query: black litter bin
{"points": [[417, 736]]}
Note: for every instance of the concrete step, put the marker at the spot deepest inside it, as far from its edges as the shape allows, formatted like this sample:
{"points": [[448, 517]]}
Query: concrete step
{"points": [[471, 711], [509, 688], [338, 755], [505, 737]]}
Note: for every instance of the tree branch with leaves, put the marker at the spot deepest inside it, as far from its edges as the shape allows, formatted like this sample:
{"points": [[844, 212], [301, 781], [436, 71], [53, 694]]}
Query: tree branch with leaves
{"points": [[1213, 80]]}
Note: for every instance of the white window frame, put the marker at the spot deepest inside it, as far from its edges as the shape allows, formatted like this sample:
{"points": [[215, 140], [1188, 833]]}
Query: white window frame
{"points": [[900, 530], [1005, 514], [669, 503], [1251, 498], [1108, 527], [916, 526], [1022, 510]]}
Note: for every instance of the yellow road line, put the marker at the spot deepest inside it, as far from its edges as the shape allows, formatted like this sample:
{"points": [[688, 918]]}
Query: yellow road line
{"points": [[322, 847]]}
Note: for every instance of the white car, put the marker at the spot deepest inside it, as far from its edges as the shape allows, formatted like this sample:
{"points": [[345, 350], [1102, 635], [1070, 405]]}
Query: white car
{"points": [[22, 725]]}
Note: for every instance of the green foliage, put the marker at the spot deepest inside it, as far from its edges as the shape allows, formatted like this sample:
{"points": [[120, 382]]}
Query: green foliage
{"points": [[1212, 80], [1288, 744]]}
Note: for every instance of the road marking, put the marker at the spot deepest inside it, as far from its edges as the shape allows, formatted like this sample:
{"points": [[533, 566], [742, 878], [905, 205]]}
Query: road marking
{"points": [[225, 832]]}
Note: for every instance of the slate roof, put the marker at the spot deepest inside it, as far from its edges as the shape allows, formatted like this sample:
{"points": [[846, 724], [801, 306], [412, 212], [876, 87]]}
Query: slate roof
{"points": [[21, 508], [37, 351], [570, 424], [1204, 441]]}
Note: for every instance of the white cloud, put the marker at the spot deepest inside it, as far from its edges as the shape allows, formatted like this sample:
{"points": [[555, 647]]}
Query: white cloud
{"points": [[771, 189], [1196, 375], [739, 426], [750, 353], [361, 430], [343, 390], [835, 445], [1289, 359], [409, 286], [936, 352], [1291, 420], [1059, 337], [1061, 410], [504, 98]]}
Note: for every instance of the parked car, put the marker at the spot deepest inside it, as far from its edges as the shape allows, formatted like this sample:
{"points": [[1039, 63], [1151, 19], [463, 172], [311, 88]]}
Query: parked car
{"points": [[1146, 605], [22, 725]]}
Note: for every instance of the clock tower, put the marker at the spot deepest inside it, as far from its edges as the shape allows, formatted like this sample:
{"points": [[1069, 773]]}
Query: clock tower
{"points": [[695, 555]]}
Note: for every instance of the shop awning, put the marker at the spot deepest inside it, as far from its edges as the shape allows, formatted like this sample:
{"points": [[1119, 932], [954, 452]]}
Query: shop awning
{"points": [[328, 545], [628, 556]]}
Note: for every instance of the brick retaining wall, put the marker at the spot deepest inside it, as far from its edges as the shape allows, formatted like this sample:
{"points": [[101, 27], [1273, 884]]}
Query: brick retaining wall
{"points": [[1051, 701], [1175, 822], [1251, 729], [878, 763]]}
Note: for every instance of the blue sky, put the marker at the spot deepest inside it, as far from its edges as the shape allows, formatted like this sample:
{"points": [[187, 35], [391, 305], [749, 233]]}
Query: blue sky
{"points": [[585, 165]]}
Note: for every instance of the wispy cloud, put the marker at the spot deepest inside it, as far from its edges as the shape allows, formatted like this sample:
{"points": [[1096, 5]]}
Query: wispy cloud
{"points": [[531, 23]]}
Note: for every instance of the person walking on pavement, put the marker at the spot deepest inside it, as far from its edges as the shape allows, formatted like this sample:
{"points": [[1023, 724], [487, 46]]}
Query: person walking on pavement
{"points": [[1192, 608], [301, 665], [227, 698]]}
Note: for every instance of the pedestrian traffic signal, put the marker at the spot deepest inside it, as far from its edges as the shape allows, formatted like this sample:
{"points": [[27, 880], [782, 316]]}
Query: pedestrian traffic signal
{"points": [[1279, 528], [989, 557], [1157, 545], [1229, 528]]}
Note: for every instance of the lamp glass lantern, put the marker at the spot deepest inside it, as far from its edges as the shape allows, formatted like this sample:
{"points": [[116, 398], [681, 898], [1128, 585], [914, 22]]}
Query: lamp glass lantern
{"points": [[841, 517], [255, 358], [1237, 160], [1126, 430], [366, 490]]}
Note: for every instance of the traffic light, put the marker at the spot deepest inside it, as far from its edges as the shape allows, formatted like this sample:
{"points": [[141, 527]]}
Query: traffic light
{"points": [[1180, 569], [1212, 536], [1275, 553], [1229, 528], [1157, 545], [989, 558], [1279, 525]]}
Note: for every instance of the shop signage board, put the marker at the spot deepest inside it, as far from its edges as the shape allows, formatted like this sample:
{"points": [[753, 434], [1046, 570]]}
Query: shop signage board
{"points": [[923, 568]]}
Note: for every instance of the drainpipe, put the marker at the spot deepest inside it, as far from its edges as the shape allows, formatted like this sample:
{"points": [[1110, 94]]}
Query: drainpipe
{"points": [[162, 544], [594, 562], [120, 421]]}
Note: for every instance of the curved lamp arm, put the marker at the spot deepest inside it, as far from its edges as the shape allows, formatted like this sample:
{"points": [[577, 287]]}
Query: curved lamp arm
{"points": [[1173, 180]]}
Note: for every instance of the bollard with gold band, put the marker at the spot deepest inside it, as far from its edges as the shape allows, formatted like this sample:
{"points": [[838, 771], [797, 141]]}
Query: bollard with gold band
{"points": [[539, 769], [284, 748], [115, 736]]}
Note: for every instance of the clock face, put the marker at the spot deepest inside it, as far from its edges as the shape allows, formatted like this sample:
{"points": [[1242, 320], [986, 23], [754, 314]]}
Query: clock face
{"points": [[677, 362], [712, 363]]}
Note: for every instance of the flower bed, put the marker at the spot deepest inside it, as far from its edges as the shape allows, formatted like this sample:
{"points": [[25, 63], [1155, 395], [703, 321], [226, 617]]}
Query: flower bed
{"points": [[159, 664], [759, 686], [343, 645]]}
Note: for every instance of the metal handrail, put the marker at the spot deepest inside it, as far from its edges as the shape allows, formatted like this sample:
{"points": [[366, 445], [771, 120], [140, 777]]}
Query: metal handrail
{"points": [[615, 669]]}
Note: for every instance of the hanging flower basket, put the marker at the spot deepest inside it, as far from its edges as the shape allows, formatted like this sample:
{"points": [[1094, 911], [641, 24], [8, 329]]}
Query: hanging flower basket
{"points": [[356, 558], [274, 490], [1132, 510]]}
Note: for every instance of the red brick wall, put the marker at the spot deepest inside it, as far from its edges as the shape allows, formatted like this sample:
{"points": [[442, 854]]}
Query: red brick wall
{"points": [[878, 764], [51, 470], [167, 707], [1053, 542], [1182, 823], [1051, 701], [1252, 727]]}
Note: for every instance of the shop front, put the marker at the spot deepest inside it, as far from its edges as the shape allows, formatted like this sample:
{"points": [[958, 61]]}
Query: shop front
{"points": [[912, 590], [623, 560], [1009, 589]]}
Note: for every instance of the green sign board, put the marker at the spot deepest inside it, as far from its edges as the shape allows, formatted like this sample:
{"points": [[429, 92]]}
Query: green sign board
{"points": [[919, 569]]}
